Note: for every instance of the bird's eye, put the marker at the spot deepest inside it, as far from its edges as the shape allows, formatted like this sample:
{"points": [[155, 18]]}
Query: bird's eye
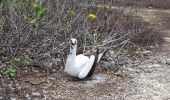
{"points": [[70, 41]]}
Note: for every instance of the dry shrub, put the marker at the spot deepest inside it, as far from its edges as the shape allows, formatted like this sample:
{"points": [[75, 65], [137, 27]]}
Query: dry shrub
{"points": [[119, 25], [142, 34], [65, 19]]}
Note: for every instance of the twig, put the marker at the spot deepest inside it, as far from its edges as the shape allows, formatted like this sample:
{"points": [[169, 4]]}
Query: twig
{"points": [[113, 40], [27, 81], [124, 43]]}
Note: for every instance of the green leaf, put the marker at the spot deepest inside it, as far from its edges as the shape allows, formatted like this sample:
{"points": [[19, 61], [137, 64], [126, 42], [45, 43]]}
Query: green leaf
{"points": [[41, 13], [18, 4], [34, 25], [13, 70], [27, 59], [1, 1], [98, 34], [12, 74], [36, 7]]}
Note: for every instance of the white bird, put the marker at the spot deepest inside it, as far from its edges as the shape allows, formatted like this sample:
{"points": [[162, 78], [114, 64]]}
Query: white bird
{"points": [[80, 65]]}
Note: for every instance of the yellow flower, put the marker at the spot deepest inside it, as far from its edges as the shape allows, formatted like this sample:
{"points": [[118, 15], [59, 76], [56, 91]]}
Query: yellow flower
{"points": [[92, 16]]}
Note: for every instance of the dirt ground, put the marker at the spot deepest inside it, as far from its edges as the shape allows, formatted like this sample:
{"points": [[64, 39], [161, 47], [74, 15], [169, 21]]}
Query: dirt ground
{"points": [[142, 78]]}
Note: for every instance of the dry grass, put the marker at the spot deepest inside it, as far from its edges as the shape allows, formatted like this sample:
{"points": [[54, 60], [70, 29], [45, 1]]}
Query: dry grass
{"points": [[66, 19]]}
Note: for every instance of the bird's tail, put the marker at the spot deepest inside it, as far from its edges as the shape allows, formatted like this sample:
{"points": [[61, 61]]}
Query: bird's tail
{"points": [[94, 64], [101, 55], [98, 57]]}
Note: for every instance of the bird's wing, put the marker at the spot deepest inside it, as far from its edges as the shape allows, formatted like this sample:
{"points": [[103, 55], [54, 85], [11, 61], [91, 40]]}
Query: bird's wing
{"points": [[87, 67], [74, 67], [81, 60]]}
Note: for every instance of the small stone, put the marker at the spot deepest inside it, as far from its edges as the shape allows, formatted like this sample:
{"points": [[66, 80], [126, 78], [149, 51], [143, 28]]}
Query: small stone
{"points": [[12, 98], [154, 65], [18, 87], [161, 61], [36, 94], [1, 98], [147, 53], [150, 7], [27, 96], [168, 61], [156, 98]]}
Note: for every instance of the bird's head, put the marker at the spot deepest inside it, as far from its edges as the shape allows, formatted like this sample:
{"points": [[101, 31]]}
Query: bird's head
{"points": [[73, 42]]}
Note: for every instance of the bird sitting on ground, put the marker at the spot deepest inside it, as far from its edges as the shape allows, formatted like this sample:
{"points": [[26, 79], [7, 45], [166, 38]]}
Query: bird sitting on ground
{"points": [[81, 66]]}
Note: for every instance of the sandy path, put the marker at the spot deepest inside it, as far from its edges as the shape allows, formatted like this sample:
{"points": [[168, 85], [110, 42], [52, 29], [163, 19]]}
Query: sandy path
{"points": [[153, 79]]}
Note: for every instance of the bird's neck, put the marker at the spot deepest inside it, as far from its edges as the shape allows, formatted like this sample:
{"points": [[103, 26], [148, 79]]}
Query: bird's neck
{"points": [[73, 52]]}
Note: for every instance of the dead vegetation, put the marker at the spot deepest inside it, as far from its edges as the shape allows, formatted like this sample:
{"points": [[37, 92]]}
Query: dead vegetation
{"points": [[65, 19]]}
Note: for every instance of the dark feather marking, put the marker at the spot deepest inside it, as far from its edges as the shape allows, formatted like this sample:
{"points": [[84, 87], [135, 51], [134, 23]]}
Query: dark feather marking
{"points": [[104, 53], [94, 64]]}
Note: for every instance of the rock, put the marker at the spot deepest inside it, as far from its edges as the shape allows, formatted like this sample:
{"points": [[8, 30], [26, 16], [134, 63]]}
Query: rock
{"points": [[1, 98], [36, 94], [27, 96], [161, 61], [168, 61], [154, 65], [167, 39], [12, 98], [156, 98], [147, 53]]}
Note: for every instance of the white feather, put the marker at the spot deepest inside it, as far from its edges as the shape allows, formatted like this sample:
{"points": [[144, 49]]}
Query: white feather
{"points": [[87, 67], [99, 57], [74, 66]]}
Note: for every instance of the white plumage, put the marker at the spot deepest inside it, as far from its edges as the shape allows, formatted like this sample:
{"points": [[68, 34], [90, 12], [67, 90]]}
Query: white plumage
{"points": [[78, 65]]}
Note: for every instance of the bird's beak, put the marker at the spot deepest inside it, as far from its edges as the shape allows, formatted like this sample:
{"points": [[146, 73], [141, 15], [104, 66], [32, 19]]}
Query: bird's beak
{"points": [[72, 45]]}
